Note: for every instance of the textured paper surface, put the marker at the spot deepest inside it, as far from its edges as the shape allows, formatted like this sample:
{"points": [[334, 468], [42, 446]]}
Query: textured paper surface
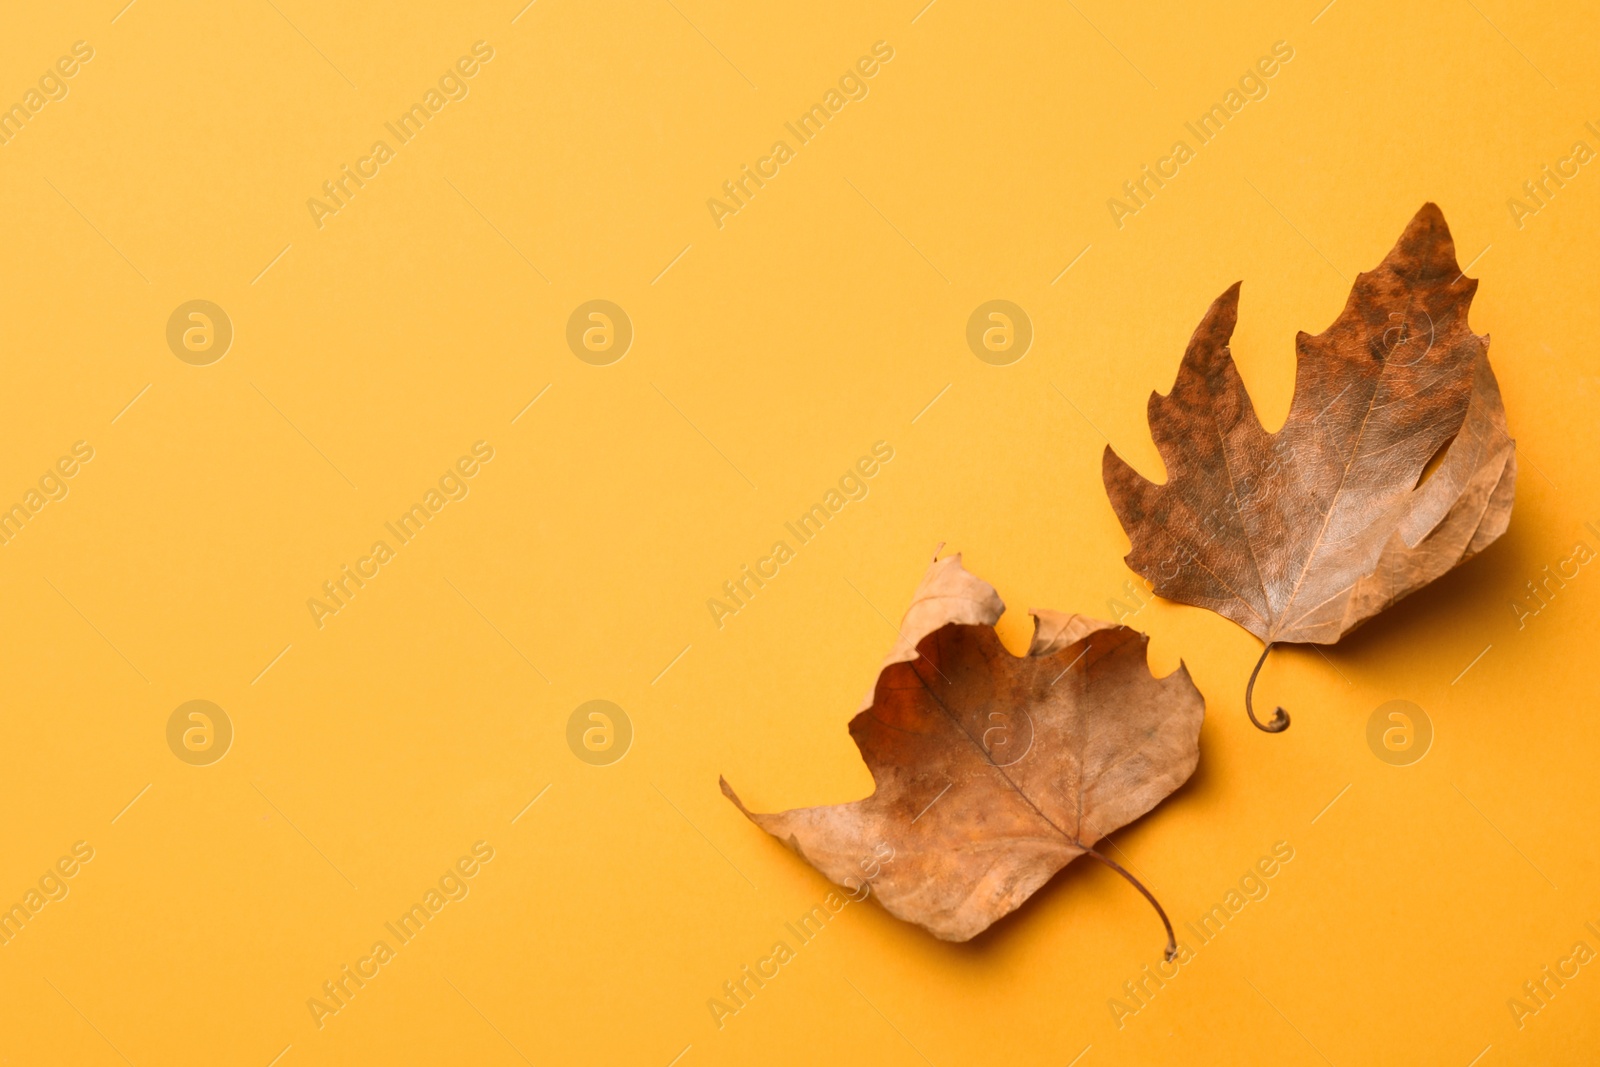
{"points": [[850, 300]]}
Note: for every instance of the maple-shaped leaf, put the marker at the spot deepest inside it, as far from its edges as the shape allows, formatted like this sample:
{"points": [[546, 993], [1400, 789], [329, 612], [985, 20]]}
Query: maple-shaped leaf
{"points": [[1393, 466], [994, 771]]}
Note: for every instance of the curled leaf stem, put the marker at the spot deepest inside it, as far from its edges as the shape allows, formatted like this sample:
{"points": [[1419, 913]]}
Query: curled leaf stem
{"points": [[1280, 718], [1172, 940]]}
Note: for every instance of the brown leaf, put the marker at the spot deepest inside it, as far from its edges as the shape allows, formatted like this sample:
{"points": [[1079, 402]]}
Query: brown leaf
{"points": [[1301, 535], [994, 771]]}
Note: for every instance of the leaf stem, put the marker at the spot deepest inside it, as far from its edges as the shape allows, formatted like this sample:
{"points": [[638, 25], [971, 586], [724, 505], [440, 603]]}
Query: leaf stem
{"points": [[1280, 718], [1172, 941]]}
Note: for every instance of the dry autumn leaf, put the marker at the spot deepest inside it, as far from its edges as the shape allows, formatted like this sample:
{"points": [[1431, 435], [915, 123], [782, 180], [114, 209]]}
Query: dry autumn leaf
{"points": [[994, 771], [1393, 466]]}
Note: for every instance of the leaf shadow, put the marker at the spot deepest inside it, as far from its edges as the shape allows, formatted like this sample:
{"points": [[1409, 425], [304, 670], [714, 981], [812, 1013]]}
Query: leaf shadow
{"points": [[1439, 606]]}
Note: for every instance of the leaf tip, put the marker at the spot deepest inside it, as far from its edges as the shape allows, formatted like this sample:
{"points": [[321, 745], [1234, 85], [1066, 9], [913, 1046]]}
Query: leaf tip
{"points": [[727, 791], [1426, 240], [1228, 302]]}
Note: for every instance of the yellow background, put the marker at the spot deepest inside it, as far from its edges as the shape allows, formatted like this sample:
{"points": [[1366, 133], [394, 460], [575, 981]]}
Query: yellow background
{"points": [[823, 317]]}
